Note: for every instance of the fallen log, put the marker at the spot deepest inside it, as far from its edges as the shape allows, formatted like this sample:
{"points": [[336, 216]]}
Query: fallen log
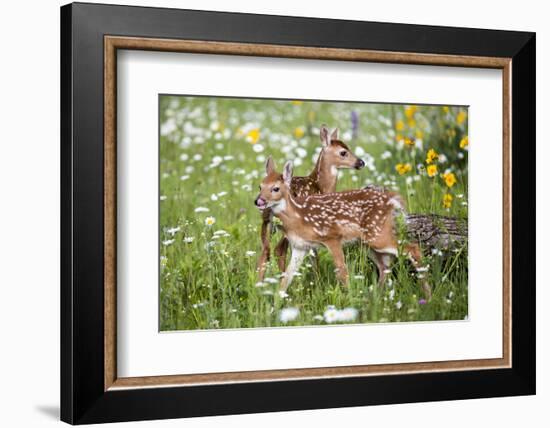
{"points": [[437, 231]]}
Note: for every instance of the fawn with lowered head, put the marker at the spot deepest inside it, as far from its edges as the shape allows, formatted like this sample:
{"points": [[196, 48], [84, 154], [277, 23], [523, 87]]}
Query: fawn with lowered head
{"points": [[333, 219], [334, 155]]}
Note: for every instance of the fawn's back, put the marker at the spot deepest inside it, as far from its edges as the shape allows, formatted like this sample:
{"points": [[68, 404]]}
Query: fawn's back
{"points": [[302, 187], [355, 214]]}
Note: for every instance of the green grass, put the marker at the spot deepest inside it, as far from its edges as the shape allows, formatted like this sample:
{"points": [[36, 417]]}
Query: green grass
{"points": [[207, 160]]}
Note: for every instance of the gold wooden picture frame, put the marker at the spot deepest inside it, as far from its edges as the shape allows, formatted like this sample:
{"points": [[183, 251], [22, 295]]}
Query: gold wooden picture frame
{"points": [[114, 43]]}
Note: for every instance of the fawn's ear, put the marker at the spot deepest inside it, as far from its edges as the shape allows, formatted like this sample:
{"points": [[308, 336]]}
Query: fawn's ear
{"points": [[287, 173], [269, 165], [323, 134], [334, 135]]}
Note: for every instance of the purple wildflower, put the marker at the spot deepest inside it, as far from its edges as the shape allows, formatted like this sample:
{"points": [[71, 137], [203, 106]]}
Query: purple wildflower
{"points": [[354, 123], [422, 302]]}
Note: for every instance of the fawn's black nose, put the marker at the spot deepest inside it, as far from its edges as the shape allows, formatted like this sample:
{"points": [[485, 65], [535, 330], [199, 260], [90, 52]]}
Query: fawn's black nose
{"points": [[359, 164], [259, 202]]}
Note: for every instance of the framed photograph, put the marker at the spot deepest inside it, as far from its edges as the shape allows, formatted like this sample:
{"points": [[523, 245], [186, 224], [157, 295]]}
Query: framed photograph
{"points": [[266, 213]]}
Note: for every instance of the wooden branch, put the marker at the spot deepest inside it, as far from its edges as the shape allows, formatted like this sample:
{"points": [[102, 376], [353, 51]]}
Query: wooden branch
{"points": [[436, 231]]}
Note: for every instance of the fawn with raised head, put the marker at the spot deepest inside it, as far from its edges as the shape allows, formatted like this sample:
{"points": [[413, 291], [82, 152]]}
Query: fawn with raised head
{"points": [[367, 215], [334, 155]]}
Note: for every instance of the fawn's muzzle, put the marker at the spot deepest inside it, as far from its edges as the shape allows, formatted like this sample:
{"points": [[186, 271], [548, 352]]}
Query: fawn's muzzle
{"points": [[359, 164], [260, 203]]}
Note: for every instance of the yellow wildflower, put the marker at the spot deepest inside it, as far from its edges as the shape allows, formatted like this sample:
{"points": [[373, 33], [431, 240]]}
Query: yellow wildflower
{"points": [[447, 200], [403, 168], [419, 134], [445, 109], [431, 156], [400, 125], [432, 170], [297, 102], [410, 111], [253, 136], [461, 117], [398, 137], [464, 142], [450, 179], [409, 142], [411, 123], [299, 132], [311, 115]]}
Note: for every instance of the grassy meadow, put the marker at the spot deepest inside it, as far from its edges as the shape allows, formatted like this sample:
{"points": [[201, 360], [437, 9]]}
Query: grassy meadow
{"points": [[212, 156]]}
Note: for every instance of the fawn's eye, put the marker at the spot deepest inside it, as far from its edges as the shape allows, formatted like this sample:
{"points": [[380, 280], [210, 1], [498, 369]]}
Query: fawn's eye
{"points": [[343, 153], [275, 189]]}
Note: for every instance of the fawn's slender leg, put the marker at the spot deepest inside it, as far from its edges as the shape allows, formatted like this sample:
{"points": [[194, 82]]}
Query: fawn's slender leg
{"points": [[267, 217], [280, 251], [316, 265], [335, 248], [296, 259], [382, 262], [415, 255], [386, 243]]}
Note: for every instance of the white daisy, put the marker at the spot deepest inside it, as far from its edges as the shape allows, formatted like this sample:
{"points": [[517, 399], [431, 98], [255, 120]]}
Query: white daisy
{"points": [[331, 315], [209, 221], [300, 151], [288, 314], [173, 230], [347, 314], [359, 151], [216, 160]]}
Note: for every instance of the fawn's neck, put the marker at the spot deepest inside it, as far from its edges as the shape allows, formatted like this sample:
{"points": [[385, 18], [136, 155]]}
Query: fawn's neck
{"points": [[289, 210], [325, 174]]}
